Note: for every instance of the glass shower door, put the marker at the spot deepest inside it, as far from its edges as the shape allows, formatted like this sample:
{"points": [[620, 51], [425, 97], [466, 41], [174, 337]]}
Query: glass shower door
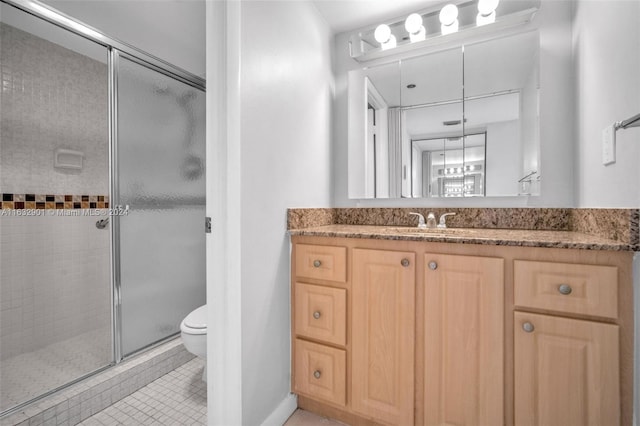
{"points": [[160, 188], [55, 281]]}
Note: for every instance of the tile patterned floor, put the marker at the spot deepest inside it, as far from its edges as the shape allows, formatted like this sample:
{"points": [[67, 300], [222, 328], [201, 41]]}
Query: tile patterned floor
{"points": [[177, 398], [305, 418], [29, 375]]}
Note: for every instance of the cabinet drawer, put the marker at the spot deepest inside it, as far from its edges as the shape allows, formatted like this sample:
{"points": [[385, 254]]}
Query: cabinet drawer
{"points": [[321, 262], [567, 287], [320, 372], [321, 313]]}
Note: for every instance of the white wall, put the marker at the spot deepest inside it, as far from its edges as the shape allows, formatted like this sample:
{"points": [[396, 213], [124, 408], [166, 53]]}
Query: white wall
{"points": [[172, 30], [556, 109], [286, 94], [606, 37], [503, 159], [277, 152]]}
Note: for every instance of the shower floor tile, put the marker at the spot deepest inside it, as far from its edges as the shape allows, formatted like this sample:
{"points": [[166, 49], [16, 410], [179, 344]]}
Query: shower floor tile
{"points": [[177, 398], [31, 374]]}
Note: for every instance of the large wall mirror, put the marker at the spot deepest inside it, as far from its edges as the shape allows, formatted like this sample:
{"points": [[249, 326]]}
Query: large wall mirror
{"points": [[461, 122]]}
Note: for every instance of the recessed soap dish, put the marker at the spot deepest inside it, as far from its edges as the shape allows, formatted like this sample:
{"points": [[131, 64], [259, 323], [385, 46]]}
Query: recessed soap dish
{"points": [[68, 159]]}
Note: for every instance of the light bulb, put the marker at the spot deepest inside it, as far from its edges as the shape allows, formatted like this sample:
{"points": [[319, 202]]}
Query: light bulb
{"points": [[449, 29], [420, 35], [389, 44], [382, 33], [449, 14], [487, 7], [485, 19], [413, 24], [449, 19]]}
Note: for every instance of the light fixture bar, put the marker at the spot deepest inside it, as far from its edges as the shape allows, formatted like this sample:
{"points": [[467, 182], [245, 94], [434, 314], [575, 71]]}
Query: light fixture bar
{"points": [[455, 21]]}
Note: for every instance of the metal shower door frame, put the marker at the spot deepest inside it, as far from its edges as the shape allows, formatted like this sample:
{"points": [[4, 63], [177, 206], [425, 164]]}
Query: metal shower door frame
{"points": [[116, 50]]}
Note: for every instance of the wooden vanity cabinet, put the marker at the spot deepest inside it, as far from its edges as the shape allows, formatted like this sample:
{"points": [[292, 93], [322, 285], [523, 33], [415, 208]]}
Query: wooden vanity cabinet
{"points": [[432, 333], [320, 322], [463, 340], [382, 330], [566, 369]]}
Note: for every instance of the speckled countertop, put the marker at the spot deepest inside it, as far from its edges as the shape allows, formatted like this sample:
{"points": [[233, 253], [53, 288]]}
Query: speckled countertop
{"points": [[589, 229], [499, 237]]}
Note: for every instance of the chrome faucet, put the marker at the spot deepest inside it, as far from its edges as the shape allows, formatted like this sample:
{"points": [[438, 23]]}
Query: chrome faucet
{"points": [[421, 224], [443, 220], [431, 220]]}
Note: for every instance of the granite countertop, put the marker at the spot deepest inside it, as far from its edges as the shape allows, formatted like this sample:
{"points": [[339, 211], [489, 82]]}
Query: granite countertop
{"points": [[500, 237]]}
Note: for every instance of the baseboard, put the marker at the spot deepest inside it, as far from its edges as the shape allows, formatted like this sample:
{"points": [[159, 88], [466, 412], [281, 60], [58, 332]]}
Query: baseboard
{"points": [[282, 412]]}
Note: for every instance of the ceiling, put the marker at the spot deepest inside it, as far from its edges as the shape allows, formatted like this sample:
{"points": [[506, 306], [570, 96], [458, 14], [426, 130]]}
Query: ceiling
{"points": [[345, 15]]}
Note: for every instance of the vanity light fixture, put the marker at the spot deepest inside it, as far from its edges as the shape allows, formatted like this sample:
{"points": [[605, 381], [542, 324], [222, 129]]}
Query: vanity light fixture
{"points": [[449, 19], [384, 36], [414, 27], [462, 170], [438, 25]]}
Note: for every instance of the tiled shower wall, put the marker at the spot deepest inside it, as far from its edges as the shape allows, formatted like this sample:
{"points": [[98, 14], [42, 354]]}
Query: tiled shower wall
{"points": [[55, 281], [51, 98], [54, 269]]}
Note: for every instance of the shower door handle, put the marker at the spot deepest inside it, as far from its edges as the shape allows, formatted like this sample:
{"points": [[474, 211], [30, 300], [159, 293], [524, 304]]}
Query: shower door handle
{"points": [[120, 210], [102, 223]]}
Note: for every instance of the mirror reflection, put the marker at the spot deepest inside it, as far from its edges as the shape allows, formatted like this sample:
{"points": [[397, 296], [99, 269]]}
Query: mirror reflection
{"points": [[448, 167], [461, 122]]}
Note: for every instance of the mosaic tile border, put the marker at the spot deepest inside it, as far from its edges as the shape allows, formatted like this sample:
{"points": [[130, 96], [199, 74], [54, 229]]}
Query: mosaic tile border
{"points": [[53, 202]]}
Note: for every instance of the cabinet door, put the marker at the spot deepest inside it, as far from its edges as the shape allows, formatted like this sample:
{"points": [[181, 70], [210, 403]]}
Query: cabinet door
{"points": [[464, 340], [383, 322], [566, 372]]}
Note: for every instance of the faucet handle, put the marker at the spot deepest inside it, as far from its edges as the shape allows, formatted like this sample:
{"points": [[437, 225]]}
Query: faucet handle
{"points": [[443, 219], [421, 223]]}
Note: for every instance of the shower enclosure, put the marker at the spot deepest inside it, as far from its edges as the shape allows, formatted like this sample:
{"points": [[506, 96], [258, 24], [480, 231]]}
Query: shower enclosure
{"points": [[102, 179]]}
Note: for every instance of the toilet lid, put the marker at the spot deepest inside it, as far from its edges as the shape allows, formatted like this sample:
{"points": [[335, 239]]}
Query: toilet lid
{"points": [[197, 318]]}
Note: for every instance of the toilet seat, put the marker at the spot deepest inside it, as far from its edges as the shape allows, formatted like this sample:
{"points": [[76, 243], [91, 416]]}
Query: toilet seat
{"points": [[195, 322]]}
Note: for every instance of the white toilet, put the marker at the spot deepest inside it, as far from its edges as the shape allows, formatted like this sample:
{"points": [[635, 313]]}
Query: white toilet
{"points": [[193, 330]]}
